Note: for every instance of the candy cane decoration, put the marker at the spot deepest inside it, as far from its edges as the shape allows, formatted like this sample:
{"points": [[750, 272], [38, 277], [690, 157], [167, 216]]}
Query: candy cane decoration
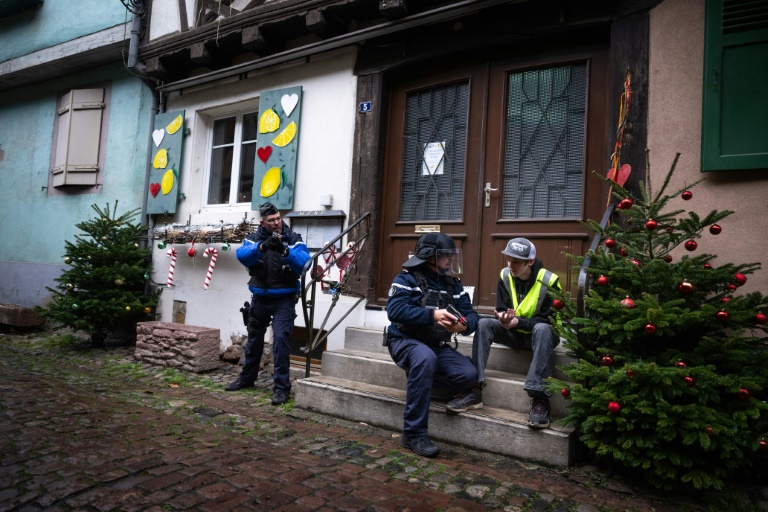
{"points": [[171, 254], [214, 253]]}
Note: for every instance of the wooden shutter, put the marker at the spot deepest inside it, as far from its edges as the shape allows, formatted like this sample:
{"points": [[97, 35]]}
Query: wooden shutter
{"points": [[80, 116], [735, 106]]}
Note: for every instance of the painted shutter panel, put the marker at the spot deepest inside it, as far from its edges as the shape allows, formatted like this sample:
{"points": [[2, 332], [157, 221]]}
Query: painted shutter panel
{"points": [[735, 106], [79, 136]]}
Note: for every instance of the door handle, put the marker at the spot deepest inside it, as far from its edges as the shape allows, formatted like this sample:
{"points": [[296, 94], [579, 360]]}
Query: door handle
{"points": [[488, 191]]}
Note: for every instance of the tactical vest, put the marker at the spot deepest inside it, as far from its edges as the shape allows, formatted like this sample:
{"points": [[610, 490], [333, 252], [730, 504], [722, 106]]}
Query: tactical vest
{"points": [[531, 304], [272, 272], [432, 334]]}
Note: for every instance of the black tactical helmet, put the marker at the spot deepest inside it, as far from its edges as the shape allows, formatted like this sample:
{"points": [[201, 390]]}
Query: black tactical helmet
{"points": [[427, 247]]}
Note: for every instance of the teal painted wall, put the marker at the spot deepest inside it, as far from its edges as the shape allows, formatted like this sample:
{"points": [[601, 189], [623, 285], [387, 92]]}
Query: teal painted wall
{"points": [[34, 224], [57, 21]]}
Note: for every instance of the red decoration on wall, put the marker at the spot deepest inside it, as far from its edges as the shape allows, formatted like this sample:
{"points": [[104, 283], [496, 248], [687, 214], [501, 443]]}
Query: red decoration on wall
{"points": [[264, 153], [154, 188]]}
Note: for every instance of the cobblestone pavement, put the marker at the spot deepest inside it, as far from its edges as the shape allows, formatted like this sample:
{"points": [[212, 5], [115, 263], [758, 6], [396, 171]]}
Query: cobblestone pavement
{"points": [[84, 429]]}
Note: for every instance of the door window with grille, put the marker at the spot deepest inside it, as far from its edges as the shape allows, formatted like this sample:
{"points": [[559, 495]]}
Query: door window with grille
{"points": [[544, 158], [434, 148]]}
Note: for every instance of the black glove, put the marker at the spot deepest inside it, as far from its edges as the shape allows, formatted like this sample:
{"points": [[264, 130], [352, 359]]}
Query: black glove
{"points": [[273, 243]]}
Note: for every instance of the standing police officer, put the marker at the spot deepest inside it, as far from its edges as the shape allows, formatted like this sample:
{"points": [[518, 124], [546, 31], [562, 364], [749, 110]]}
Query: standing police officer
{"points": [[275, 257], [420, 333], [523, 320]]}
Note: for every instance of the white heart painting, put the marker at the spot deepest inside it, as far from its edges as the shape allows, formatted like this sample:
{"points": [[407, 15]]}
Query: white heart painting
{"points": [[289, 103], [157, 136]]}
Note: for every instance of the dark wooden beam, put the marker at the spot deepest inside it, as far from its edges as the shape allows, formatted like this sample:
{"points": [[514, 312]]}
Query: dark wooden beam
{"points": [[255, 40], [156, 69], [208, 55], [393, 9], [323, 25]]}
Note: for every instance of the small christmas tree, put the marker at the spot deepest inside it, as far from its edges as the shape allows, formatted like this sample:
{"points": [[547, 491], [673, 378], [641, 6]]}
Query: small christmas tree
{"points": [[106, 287], [671, 371]]}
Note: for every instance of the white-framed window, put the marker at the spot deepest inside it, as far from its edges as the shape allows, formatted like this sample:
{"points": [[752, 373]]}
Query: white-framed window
{"points": [[232, 146], [79, 137]]}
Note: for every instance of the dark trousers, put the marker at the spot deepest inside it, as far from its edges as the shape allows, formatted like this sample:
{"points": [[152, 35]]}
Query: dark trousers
{"points": [[280, 312], [426, 366]]}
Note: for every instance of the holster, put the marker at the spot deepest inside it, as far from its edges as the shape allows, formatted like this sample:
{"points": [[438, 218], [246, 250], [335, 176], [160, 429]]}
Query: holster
{"points": [[244, 311], [385, 340]]}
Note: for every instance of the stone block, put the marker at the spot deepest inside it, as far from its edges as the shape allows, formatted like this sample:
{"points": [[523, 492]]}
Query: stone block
{"points": [[189, 347]]}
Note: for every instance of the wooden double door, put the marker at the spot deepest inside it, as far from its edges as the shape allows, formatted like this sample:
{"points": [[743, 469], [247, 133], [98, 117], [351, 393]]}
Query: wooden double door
{"points": [[493, 150]]}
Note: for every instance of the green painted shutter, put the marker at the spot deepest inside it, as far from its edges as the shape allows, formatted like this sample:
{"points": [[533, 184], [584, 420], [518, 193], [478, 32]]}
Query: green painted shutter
{"points": [[735, 103]]}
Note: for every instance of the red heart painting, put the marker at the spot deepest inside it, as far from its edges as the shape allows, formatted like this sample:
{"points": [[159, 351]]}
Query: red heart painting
{"points": [[264, 153], [621, 177], [154, 188]]}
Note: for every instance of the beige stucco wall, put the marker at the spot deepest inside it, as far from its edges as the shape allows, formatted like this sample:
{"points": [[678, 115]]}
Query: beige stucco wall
{"points": [[674, 119]]}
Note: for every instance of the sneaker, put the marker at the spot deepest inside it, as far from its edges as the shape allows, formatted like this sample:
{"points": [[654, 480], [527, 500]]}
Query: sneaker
{"points": [[421, 445], [539, 415], [472, 399], [238, 384], [280, 397]]}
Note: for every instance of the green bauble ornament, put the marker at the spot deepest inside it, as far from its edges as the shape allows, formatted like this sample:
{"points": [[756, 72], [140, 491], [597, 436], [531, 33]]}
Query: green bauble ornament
{"points": [[118, 282], [67, 260], [146, 276], [69, 286], [226, 247], [161, 245], [128, 308], [135, 246], [75, 306]]}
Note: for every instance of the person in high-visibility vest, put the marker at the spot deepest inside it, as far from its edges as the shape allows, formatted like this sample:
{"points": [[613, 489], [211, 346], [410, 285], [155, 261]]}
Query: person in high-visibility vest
{"points": [[523, 320]]}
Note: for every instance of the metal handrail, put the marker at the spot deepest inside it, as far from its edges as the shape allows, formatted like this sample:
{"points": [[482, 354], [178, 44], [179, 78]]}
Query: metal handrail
{"points": [[583, 283], [337, 287]]}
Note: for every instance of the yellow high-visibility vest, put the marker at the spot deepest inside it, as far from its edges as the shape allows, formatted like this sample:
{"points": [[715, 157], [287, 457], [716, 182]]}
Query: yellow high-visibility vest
{"points": [[531, 304]]}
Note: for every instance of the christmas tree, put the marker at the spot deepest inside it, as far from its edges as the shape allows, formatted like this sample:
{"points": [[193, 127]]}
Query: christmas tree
{"points": [[671, 362], [105, 288]]}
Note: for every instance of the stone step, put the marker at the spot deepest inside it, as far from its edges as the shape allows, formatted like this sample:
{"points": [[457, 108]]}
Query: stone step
{"points": [[489, 429], [503, 390], [501, 358]]}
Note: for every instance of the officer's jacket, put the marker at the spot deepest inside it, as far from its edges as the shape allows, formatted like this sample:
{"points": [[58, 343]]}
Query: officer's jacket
{"points": [[411, 307], [272, 274], [531, 302]]}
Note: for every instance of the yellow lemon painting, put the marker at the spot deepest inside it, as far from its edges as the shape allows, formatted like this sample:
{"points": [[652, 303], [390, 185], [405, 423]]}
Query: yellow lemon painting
{"points": [[161, 159], [271, 182], [285, 136], [269, 121], [166, 184], [174, 125]]}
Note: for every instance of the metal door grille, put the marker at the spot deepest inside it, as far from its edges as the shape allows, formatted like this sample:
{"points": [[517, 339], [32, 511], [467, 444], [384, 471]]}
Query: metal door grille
{"points": [[434, 146], [544, 160]]}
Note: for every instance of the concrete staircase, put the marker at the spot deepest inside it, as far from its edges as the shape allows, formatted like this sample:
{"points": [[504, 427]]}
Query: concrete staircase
{"points": [[361, 383]]}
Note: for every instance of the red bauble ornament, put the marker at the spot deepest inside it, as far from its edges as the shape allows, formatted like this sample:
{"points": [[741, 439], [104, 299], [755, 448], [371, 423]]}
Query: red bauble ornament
{"points": [[623, 251], [743, 394], [635, 262], [680, 364], [606, 360], [708, 266], [625, 204], [191, 252], [762, 445], [558, 304], [614, 407], [722, 316], [602, 281], [688, 380], [687, 194], [731, 286], [650, 328], [740, 279], [651, 225], [710, 431], [686, 287], [565, 392], [760, 318], [715, 229], [631, 373], [691, 245], [610, 242], [628, 303], [725, 299], [668, 258]]}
